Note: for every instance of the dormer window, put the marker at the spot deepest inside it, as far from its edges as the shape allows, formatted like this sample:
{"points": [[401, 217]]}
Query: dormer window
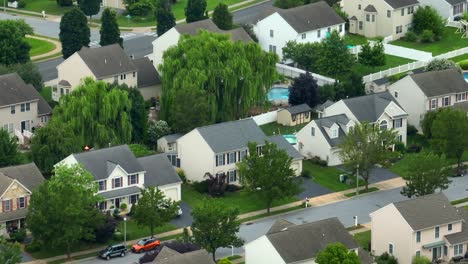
{"points": [[102, 185], [383, 125], [334, 133]]}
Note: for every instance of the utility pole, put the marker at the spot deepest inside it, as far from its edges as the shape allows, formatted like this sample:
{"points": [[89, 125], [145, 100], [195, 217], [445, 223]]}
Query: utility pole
{"points": [[357, 180]]}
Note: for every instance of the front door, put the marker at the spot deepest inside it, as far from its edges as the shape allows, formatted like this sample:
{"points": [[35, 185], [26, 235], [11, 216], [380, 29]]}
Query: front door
{"points": [[435, 253], [25, 125], [117, 203]]}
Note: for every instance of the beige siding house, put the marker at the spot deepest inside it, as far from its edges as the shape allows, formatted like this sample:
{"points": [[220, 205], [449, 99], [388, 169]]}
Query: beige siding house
{"points": [[429, 91], [294, 115], [380, 18], [16, 186], [168, 143], [217, 149], [22, 108], [427, 226]]}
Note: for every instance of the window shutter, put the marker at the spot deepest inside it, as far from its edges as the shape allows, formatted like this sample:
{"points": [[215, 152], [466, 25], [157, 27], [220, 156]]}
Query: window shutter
{"points": [[393, 123], [26, 202], [3, 206], [17, 203], [121, 181], [105, 185], [138, 178], [11, 205], [216, 157], [437, 102], [224, 159], [128, 179], [113, 183]]}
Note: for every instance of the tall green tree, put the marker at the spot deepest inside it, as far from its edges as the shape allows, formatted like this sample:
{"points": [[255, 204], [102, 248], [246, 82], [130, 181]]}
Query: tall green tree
{"points": [[9, 154], [49, 145], [366, 145], [74, 32], [110, 32], [450, 133], [156, 130], [351, 86], [89, 7], [335, 59], [234, 77], [268, 173], [427, 18], [191, 109], [337, 253], [165, 19], [10, 253], [195, 10], [426, 172], [222, 17], [215, 226], [97, 114], [62, 210], [304, 90], [14, 48], [304, 54], [426, 123], [154, 209], [27, 71]]}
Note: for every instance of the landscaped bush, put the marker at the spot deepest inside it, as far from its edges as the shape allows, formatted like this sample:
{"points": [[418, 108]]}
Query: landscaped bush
{"points": [[105, 231], [123, 206], [201, 187], [65, 2], [140, 9], [116, 214], [306, 174], [463, 64], [132, 210], [427, 36], [33, 247], [421, 260], [411, 130], [18, 236], [411, 36], [385, 258], [21, 4], [233, 188], [414, 148], [317, 160], [181, 174], [400, 147]]}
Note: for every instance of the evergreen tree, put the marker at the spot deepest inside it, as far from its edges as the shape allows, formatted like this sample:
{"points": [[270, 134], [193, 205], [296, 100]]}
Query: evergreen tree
{"points": [[336, 60], [110, 32], [222, 17], [74, 32], [90, 7], [195, 10], [304, 90], [165, 19]]}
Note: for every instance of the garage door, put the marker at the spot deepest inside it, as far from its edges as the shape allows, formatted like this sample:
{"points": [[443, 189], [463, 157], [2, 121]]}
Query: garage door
{"points": [[172, 194]]}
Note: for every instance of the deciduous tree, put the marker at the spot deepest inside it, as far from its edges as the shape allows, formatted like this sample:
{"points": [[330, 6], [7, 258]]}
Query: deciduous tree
{"points": [[110, 32], [427, 18], [154, 209], [335, 59], [304, 89], [13, 46], [215, 226], [90, 7], [426, 123], [337, 253], [157, 130], [10, 253], [195, 10], [286, 4], [74, 32], [304, 54], [61, 212], [426, 172], [191, 109], [442, 64], [222, 17], [268, 173], [366, 145], [9, 154]]}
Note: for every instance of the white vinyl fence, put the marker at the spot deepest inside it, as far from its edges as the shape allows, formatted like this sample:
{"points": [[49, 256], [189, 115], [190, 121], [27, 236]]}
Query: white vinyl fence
{"points": [[408, 53], [266, 118], [295, 72]]}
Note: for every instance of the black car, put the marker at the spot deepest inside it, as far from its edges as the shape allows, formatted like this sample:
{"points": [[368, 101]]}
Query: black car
{"points": [[113, 251]]}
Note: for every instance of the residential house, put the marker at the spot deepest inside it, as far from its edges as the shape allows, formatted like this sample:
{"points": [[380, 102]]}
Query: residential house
{"points": [[322, 137], [121, 176], [168, 143], [115, 4], [377, 86], [448, 9], [218, 148], [427, 226], [286, 242], [172, 36], [427, 91], [303, 24], [320, 109], [109, 64], [294, 115], [16, 186], [380, 18], [170, 256], [22, 108]]}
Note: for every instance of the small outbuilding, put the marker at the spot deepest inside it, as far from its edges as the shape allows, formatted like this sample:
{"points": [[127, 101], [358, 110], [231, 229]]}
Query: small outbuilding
{"points": [[294, 115]]}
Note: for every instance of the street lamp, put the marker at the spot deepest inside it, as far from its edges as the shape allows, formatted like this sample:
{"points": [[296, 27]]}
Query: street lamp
{"points": [[125, 231], [357, 180], [128, 19]]}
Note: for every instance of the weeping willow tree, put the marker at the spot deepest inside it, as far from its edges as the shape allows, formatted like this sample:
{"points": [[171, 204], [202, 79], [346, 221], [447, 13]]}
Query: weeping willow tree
{"points": [[96, 113], [233, 75]]}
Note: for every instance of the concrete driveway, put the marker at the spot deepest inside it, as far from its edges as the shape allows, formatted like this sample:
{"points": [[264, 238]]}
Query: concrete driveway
{"points": [[377, 174]]}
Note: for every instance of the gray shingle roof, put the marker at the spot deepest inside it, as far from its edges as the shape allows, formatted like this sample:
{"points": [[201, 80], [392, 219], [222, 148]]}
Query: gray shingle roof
{"points": [[328, 121], [435, 83], [27, 174], [147, 74], [194, 257], [460, 237], [369, 107], [233, 135], [172, 137], [370, 8], [64, 83], [14, 90], [395, 4], [208, 25], [322, 107], [428, 211], [282, 143], [13, 215], [301, 242], [166, 253], [353, 18], [107, 61], [279, 225], [98, 162], [381, 81], [120, 192], [454, 2], [297, 109], [5, 182], [159, 170]]}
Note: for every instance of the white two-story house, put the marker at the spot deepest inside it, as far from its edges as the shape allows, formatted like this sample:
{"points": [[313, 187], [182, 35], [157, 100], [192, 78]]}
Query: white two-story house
{"points": [[429, 91], [307, 23], [218, 148], [448, 9], [427, 226], [121, 176], [322, 137]]}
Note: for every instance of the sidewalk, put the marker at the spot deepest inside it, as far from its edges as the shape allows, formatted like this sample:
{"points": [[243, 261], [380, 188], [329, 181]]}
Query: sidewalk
{"points": [[48, 17]]}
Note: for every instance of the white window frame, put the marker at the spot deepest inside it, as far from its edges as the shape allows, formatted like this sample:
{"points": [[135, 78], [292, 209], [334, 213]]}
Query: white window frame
{"points": [[389, 13], [382, 123], [232, 176], [9, 205], [437, 232], [133, 177], [446, 103], [334, 133], [103, 184], [458, 249], [13, 109], [120, 183], [433, 103], [398, 122], [133, 196], [231, 157], [21, 200], [220, 159], [418, 236], [340, 28], [449, 227]]}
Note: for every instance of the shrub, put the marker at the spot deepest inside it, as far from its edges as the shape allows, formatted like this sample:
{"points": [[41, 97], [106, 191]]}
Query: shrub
{"points": [[317, 160], [33, 247], [411, 130], [105, 231], [233, 188], [181, 174], [441, 64], [21, 4], [414, 148], [201, 187], [411, 36], [18, 236], [140, 9], [385, 258], [65, 2], [421, 260], [306, 174], [400, 147], [116, 214], [463, 64], [427, 36], [140, 150], [132, 210], [123, 206]]}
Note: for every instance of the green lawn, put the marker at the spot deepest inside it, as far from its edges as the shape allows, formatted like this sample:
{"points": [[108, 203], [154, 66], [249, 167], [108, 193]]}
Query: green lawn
{"points": [[49, 6], [363, 239], [371, 189], [328, 177], [39, 46], [460, 58], [243, 200], [450, 41], [46, 93], [134, 231], [278, 129], [390, 62], [355, 39]]}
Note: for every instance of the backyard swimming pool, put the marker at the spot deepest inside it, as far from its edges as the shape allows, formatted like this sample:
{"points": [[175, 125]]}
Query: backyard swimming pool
{"points": [[465, 74], [291, 139], [278, 93]]}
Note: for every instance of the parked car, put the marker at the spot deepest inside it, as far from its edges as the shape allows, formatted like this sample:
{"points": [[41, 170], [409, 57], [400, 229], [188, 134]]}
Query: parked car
{"points": [[179, 210], [459, 172], [113, 251], [145, 245]]}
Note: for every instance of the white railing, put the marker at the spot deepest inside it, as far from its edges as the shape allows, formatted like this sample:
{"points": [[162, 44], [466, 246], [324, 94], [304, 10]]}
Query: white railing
{"points": [[55, 96], [452, 54], [20, 136], [295, 72], [408, 53], [452, 24], [387, 39], [28, 134]]}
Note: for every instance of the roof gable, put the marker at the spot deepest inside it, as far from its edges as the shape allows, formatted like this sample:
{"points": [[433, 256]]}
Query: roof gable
{"points": [[27, 175], [14, 90], [369, 108], [395, 4], [324, 124], [437, 83], [298, 109], [159, 171]]}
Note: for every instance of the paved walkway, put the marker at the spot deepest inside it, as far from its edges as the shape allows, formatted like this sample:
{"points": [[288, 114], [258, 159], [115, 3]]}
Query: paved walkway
{"points": [[58, 48]]}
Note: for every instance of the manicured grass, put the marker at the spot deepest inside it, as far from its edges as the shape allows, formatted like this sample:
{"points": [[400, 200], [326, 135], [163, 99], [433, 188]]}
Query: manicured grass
{"points": [[248, 219], [89, 255], [39, 46], [450, 41], [135, 231], [371, 189], [234, 257], [243, 200], [355, 39], [390, 62], [363, 239], [24, 13], [278, 129], [49, 6], [459, 201], [141, 150], [460, 58], [328, 177]]}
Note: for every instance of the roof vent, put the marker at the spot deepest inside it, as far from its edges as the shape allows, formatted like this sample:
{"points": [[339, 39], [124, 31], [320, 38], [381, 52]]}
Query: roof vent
{"points": [[323, 235], [105, 61], [284, 229]]}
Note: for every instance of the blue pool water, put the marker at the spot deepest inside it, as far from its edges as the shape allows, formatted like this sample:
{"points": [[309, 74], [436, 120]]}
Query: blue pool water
{"points": [[278, 93], [466, 76], [291, 139]]}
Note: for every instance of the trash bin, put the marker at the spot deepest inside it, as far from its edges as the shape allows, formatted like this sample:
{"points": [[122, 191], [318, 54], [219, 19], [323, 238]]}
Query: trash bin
{"points": [[343, 177]]}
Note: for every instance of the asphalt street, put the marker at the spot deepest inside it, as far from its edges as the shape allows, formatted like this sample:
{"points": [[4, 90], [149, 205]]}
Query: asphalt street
{"points": [[248, 15]]}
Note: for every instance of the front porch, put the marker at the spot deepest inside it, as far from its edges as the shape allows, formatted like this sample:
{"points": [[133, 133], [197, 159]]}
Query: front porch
{"points": [[12, 222], [444, 252], [121, 199]]}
